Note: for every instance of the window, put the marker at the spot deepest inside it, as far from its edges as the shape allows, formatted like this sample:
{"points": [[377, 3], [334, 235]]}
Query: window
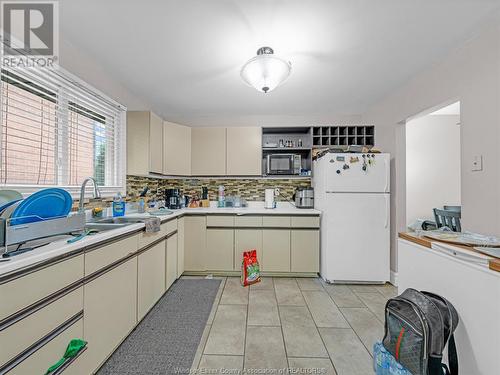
{"points": [[56, 131]]}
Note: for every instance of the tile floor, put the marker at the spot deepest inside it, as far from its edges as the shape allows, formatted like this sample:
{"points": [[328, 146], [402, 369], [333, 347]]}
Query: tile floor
{"points": [[297, 323]]}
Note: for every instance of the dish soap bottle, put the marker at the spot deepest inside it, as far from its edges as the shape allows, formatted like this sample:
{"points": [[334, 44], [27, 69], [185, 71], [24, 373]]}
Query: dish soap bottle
{"points": [[118, 205], [222, 199]]}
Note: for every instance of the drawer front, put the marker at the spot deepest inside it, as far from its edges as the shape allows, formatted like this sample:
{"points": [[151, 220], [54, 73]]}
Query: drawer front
{"points": [[47, 355], [147, 238], [19, 336], [170, 226], [248, 221], [220, 221], [276, 221], [305, 221], [38, 285], [103, 256]]}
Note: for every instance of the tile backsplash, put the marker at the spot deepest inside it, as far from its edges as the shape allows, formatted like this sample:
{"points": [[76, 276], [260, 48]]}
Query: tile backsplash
{"points": [[251, 189]]}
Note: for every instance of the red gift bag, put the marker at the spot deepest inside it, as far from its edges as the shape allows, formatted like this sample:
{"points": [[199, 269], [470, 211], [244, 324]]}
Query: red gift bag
{"points": [[250, 271]]}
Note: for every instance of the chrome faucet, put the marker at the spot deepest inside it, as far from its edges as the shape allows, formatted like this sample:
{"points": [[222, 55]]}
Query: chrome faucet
{"points": [[97, 193]]}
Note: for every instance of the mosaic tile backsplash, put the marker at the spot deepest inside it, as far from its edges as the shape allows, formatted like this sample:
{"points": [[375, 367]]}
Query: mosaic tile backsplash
{"points": [[251, 189]]}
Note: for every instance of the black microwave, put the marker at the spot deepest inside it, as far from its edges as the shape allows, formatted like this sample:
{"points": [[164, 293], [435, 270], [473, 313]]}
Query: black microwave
{"points": [[285, 164]]}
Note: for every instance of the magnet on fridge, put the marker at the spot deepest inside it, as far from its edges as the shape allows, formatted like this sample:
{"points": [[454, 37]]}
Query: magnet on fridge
{"points": [[354, 159], [338, 171], [332, 161], [345, 166]]}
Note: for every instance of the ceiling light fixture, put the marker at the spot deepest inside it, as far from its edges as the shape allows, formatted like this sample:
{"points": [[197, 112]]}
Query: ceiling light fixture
{"points": [[265, 71]]}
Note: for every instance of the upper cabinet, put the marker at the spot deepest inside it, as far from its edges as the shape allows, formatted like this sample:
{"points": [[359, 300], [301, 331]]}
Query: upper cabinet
{"points": [[208, 151], [176, 149], [244, 151], [144, 143]]}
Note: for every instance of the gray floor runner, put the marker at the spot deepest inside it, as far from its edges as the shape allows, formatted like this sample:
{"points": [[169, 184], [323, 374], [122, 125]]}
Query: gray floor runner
{"points": [[167, 338]]}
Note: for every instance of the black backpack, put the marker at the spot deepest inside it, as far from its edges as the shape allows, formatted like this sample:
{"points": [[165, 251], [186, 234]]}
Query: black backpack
{"points": [[417, 327]]}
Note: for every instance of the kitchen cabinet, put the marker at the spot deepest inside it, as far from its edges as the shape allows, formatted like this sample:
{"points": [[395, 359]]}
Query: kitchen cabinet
{"points": [[208, 151], [150, 277], [180, 246], [195, 244], [304, 250], [276, 250], [33, 327], [42, 358], [244, 151], [109, 304], [171, 260], [176, 149], [245, 240], [144, 143], [220, 249], [38, 285]]}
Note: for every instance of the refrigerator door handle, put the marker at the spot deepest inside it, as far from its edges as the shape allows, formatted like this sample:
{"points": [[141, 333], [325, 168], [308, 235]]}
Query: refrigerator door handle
{"points": [[387, 174], [387, 213]]}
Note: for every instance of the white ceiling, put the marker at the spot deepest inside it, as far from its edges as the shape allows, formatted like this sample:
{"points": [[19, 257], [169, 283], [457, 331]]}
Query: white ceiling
{"points": [[183, 57], [452, 109]]}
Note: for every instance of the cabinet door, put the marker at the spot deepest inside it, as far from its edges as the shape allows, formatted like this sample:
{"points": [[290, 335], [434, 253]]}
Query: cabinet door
{"points": [[208, 151], [244, 151], [195, 243], [137, 142], [220, 249], [176, 149], [180, 247], [155, 144], [244, 240], [109, 304], [48, 354], [171, 261], [150, 278], [276, 250], [305, 250]]}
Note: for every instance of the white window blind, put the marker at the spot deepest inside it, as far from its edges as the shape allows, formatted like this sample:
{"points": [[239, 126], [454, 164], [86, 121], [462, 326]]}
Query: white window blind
{"points": [[56, 131]]}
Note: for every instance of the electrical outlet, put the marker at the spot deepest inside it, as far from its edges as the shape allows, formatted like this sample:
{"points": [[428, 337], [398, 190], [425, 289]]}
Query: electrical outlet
{"points": [[477, 163], [277, 192]]}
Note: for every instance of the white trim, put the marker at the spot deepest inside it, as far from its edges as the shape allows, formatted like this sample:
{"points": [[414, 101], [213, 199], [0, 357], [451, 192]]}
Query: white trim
{"points": [[106, 191], [394, 278]]}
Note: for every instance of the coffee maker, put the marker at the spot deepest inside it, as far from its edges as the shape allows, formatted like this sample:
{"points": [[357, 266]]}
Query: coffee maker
{"points": [[172, 198]]}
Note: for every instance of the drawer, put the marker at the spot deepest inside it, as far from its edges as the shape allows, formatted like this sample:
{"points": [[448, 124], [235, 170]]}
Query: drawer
{"points": [[146, 238], [276, 221], [248, 221], [305, 221], [98, 258], [39, 284], [170, 226], [19, 336], [48, 354], [220, 221]]}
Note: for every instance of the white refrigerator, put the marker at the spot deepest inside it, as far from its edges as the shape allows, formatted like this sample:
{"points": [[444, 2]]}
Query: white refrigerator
{"points": [[352, 191]]}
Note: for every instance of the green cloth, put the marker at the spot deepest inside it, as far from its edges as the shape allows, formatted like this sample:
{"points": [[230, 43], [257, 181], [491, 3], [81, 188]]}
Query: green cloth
{"points": [[74, 346]]}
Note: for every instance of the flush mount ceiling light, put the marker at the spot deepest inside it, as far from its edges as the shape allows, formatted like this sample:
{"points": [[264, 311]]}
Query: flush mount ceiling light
{"points": [[265, 71]]}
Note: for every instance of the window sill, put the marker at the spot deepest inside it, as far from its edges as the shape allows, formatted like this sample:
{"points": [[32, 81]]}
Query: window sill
{"points": [[106, 191]]}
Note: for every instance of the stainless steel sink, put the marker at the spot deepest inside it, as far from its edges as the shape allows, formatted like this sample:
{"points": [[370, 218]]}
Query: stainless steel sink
{"points": [[105, 226], [122, 220]]}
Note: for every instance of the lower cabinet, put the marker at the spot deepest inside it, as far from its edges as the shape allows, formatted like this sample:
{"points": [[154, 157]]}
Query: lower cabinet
{"points": [[245, 240], [171, 260], [276, 250], [109, 305], [195, 244], [180, 246], [220, 249], [304, 250], [150, 278], [50, 353]]}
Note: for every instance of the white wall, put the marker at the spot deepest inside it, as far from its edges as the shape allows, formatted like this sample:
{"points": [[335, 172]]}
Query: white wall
{"points": [[470, 75], [84, 66], [432, 165]]}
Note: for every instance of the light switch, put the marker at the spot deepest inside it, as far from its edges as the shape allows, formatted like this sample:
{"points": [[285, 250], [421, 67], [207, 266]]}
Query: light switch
{"points": [[477, 163]]}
